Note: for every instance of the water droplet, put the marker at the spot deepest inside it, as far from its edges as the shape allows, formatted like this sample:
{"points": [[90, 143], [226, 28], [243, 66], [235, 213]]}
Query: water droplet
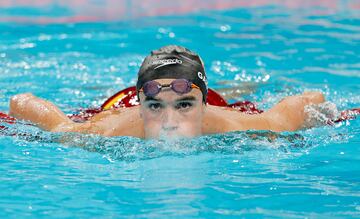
{"points": [[162, 30], [171, 35], [44, 37], [27, 45], [225, 28]]}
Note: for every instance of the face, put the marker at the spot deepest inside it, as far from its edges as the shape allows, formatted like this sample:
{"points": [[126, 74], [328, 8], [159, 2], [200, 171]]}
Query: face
{"points": [[169, 114]]}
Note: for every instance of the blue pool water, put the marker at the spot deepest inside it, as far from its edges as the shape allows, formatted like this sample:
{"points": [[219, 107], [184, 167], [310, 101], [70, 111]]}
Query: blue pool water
{"points": [[260, 54]]}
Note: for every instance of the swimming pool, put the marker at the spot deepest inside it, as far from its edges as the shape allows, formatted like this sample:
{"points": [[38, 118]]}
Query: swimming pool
{"points": [[260, 53]]}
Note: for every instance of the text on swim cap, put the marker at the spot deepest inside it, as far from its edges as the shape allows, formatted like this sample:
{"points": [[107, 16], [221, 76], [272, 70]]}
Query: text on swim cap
{"points": [[164, 62], [202, 77]]}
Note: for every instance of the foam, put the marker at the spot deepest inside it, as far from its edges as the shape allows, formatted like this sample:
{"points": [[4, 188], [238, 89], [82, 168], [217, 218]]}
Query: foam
{"points": [[320, 114]]}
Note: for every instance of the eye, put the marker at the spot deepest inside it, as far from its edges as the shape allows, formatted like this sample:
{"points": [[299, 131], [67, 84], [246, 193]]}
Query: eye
{"points": [[155, 106], [184, 105]]}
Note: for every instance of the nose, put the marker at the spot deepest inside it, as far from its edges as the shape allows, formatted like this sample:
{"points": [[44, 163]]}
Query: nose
{"points": [[169, 120]]}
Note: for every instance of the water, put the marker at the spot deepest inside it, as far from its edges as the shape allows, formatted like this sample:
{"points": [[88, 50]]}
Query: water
{"points": [[260, 54]]}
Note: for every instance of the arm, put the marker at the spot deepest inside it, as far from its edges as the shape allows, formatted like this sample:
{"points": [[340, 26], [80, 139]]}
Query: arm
{"points": [[115, 122], [38, 111], [287, 115], [47, 116]]}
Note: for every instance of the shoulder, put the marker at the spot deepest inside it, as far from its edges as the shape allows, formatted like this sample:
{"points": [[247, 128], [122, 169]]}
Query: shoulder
{"points": [[221, 119], [120, 122], [114, 122]]}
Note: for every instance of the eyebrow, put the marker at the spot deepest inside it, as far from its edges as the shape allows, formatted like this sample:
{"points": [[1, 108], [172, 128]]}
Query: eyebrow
{"points": [[152, 99], [186, 98]]}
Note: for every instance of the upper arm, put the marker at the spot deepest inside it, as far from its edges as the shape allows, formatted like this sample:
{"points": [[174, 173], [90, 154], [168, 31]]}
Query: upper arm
{"points": [[219, 120], [245, 122], [289, 114], [98, 124], [38, 111], [110, 123]]}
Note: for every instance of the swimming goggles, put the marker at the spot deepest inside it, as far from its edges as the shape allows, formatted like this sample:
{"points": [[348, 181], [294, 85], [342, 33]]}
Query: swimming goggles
{"points": [[180, 86]]}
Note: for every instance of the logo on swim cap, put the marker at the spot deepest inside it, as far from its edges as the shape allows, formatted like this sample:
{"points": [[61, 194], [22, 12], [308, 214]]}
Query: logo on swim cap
{"points": [[164, 62], [202, 77]]}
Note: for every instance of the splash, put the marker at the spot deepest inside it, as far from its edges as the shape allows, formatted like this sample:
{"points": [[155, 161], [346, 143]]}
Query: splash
{"points": [[239, 142]]}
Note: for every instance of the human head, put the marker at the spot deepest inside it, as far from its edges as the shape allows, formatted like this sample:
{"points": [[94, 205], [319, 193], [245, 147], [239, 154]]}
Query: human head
{"points": [[170, 113]]}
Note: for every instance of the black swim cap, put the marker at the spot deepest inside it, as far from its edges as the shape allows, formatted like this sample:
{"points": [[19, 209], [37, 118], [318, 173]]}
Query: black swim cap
{"points": [[173, 62]]}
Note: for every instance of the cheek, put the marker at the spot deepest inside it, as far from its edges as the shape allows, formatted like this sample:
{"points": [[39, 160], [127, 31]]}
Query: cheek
{"points": [[192, 122], [189, 124], [152, 123], [150, 117]]}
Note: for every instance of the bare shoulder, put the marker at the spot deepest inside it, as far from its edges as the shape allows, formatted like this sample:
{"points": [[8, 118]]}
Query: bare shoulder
{"points": [[287, 115], [214, 121], [114, 122], [223, 119], [120, 122]]}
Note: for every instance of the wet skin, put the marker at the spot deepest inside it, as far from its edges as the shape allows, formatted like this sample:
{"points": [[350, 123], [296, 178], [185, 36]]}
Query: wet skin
{"points": [[167, 114], [170, 114]]}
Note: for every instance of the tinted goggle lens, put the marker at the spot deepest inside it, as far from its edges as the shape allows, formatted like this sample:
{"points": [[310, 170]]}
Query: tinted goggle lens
{"points": [[151, 88], [180, 86]]}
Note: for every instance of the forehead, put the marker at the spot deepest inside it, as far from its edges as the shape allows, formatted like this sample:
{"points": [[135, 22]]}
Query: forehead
{"points": [[165, 81], [168, 94]]}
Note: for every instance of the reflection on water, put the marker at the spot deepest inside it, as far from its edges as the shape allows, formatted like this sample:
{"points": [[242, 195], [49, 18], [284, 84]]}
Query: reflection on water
{"points": [[259, 54], [70, 11]]}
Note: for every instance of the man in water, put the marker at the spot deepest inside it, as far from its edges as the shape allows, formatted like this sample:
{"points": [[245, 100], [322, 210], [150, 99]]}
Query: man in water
{"points": [[172, 90]]}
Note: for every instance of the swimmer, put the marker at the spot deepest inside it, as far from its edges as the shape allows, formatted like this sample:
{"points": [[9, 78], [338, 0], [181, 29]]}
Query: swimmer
{"points": [[172, 90]]}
